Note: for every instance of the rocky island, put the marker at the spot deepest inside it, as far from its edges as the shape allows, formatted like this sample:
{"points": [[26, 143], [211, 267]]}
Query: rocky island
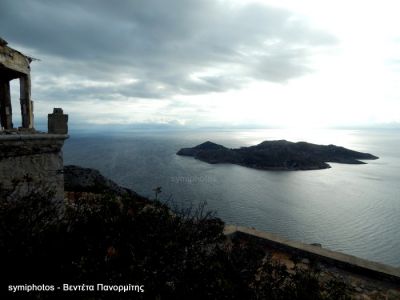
{"points": [[277, 155]]}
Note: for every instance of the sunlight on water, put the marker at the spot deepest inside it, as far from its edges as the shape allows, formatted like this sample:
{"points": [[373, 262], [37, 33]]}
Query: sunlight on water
{"points": [[344, 138], [349, 208]]}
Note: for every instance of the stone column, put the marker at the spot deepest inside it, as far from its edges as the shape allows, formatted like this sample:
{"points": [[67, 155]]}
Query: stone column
{"points": [[57, 122], [5, 104], [26, 102]]}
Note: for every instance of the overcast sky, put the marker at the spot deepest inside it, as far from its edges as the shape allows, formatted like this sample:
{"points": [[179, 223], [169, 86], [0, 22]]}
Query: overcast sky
{"points": [[272, 63]]}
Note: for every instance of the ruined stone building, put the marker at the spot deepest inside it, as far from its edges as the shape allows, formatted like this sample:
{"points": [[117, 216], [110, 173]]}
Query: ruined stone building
{"points": [[30, 161]]}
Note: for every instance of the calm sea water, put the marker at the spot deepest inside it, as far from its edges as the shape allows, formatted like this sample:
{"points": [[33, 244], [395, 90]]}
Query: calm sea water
{"points": [[349, 208]]}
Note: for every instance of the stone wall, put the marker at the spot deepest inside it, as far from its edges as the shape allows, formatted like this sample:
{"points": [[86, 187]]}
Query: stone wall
{"points": [[31, 163], [336, 259]]}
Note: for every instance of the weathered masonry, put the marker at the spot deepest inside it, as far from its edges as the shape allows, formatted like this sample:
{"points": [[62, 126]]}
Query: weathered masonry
{"points": [[15, 65], [30, 161]]}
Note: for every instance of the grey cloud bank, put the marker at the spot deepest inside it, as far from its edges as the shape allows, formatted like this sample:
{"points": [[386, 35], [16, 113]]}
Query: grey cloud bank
{"points": [[156, 49]]}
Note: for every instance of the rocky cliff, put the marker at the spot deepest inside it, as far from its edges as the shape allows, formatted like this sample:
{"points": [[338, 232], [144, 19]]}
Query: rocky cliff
{"points": [[79, 179], [277, 155]]}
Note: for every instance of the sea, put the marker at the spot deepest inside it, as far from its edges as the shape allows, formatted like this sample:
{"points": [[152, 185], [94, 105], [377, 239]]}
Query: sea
{"points": [[353, 209]]}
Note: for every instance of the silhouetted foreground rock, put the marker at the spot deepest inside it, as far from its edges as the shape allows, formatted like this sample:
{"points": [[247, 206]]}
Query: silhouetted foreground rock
{"points": [[119, 240], [78, 179], [277, 155]]}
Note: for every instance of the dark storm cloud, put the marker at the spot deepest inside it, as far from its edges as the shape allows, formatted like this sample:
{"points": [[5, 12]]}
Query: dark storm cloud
{"points": [[169, 47]]}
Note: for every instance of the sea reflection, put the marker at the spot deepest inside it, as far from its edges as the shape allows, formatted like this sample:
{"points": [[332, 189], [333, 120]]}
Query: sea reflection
{"points": [[351, 208]]}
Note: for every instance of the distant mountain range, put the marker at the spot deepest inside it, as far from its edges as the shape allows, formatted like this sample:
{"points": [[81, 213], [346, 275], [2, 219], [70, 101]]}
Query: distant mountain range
{"points": [[277, 155]]}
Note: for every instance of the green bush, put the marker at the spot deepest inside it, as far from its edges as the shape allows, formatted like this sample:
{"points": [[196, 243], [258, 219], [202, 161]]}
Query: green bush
{"points": [[175, 255]]}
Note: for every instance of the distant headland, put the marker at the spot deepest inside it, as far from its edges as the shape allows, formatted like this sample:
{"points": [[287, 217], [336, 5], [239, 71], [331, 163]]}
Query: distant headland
{"points": [[277, 155]]}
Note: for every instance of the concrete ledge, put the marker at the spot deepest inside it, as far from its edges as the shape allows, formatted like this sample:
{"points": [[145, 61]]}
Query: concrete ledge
{"points": [[32, 137], [18, 145], [344, 261]]}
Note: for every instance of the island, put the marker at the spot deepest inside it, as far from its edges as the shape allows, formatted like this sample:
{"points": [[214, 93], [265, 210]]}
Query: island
{"points": [[277, 155]]}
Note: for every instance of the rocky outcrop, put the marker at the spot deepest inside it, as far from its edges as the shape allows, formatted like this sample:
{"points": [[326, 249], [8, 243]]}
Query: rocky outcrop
{"points": [[78, 179], [277, 155]]}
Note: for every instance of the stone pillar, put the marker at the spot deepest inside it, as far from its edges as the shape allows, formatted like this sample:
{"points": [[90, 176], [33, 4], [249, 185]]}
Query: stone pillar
{"points": [[5, 104], [26, 102], [58, 122]]}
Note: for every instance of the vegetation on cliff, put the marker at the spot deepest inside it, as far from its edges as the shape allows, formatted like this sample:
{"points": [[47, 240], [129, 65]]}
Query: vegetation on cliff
{"points": [[120, 238]]}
